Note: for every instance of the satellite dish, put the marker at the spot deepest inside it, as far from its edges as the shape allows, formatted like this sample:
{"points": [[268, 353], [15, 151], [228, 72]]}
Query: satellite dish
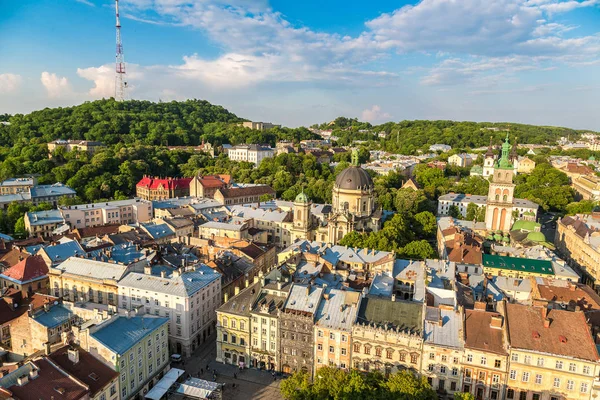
{"points": [[15, 305], [55, 302]]}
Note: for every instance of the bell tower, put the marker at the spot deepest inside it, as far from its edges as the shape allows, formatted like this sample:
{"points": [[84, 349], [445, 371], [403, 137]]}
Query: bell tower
{"points": [[302, 218], [488, 161], [499, 205]]}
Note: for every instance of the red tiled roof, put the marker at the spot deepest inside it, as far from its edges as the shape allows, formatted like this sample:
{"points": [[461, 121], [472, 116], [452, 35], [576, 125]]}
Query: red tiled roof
{"points": [[28, 269], [480, 335], [167, 183], [567, 334], [50, 384]]}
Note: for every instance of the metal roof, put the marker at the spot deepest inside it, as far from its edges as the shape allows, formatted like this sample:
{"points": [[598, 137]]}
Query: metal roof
{"points": [[305, 298], [55, 316], [447, 333], [184, 285], [518, 264], [92, 269], [124, 333], [338, 309]]}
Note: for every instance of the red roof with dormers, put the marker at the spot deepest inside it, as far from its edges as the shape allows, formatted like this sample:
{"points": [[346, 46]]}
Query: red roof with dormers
{"points": [[149, 182], [28, 269]]}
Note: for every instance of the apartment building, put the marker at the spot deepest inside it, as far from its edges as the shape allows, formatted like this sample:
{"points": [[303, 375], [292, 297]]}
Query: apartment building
{"points": [[587, 187], [243, 195], [43, 223], [134, 346], [233, 327], [265, 323], [121, 212], [296, 328], [253, 153], [443, 349], [28, 276], [333, 329], [205, 186], [101, 380], [485, 361], [578, 241], [552, 354], [187, 298], [80, 279], [39, 194], [518, 267], [387, 336], [17, 185]]}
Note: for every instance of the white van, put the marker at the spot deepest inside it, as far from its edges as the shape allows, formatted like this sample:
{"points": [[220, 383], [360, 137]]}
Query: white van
{"points": [[176, 357]]}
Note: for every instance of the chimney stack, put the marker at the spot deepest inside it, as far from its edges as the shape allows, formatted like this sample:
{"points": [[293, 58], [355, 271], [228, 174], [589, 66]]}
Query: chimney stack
{"points": [[73, 354], [496, 322], [393, 297], [546, 322], [148, 270]]}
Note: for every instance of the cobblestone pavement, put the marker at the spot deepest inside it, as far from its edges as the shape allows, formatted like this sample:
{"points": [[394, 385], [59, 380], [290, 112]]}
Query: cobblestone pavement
{"points": [[249, 383]]}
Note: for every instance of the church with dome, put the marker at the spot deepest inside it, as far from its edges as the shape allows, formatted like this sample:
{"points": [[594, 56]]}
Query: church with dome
{"points": [[354, 208]]}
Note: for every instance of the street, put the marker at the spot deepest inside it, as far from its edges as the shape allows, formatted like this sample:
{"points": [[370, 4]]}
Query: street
{"points": [[249, 384]]}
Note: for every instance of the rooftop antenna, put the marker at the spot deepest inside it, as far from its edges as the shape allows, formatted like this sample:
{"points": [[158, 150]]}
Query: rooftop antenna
{"points": [[120, 61]]}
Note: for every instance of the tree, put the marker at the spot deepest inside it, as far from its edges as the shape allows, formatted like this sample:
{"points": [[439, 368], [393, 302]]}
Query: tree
{"points": [[426, 224], [20, 231], [419, 249], [404, 385], [472, 212], [454, 212], [296, 387], [580, 207], [463, 396]]}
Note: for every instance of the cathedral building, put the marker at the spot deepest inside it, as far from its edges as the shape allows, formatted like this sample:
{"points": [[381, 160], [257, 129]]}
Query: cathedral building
{"points": [[354, 208]]}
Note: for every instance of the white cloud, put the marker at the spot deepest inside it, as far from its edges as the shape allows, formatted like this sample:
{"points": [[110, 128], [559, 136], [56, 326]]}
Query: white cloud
{"points": [[566, 6], [55, 86], [9, 83], [374, 114]]}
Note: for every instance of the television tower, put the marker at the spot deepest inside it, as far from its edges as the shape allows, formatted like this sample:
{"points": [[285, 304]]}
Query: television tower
{"points": [[120, 61]]}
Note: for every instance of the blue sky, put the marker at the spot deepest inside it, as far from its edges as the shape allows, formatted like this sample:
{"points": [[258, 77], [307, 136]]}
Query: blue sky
{"points": [[298, 63]]}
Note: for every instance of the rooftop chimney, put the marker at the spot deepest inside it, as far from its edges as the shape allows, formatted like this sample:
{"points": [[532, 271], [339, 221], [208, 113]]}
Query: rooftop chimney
{"points": [[22, 380], [73, 354], [148, 270], [393, 297], [496, 322], [546, 322], [163, 273], [33, 374]]}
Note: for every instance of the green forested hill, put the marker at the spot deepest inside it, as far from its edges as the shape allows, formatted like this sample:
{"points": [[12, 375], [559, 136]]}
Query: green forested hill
{"points": [[408, 136], [108, 121]]}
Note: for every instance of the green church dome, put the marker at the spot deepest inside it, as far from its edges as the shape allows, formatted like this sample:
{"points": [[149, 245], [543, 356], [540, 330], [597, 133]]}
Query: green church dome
{"points": [[301, 198], [536, 237]]}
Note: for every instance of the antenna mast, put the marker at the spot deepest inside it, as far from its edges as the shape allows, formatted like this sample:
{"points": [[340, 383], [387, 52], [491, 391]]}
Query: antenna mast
{"points": [[120, 62]]}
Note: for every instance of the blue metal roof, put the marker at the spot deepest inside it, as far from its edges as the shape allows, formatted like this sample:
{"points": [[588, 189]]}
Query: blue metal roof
{"points": [[158, 231], [45, 217], [6, 237], [57, 315], [122, 334], [57, 189], [61, 252]]}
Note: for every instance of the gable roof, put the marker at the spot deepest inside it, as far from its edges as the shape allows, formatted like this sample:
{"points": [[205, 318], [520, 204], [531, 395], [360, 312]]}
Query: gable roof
{"points": [[567, 334], [29, 269], [152, 183], [480, 335], [88, 370]]}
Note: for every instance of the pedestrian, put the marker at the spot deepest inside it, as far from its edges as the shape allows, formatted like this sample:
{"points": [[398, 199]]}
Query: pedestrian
{"points": [[234, 375], [201, 371], [233, 386], [207, 368]]}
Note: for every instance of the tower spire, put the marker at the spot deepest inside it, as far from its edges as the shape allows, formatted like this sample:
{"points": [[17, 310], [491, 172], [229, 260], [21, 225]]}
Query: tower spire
{"points": [[120, 61]]}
